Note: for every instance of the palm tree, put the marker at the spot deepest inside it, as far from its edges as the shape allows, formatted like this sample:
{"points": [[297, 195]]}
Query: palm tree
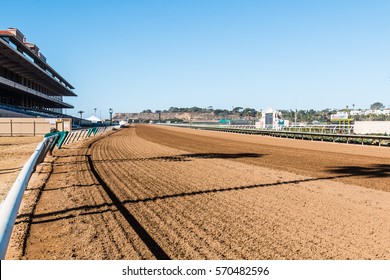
{"points": [[81, 114]]}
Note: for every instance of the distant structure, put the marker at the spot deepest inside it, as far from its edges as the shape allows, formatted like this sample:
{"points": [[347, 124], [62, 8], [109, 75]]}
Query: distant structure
{"points": [[28, 85], [341, 118], [94, 119], [271, 119]]}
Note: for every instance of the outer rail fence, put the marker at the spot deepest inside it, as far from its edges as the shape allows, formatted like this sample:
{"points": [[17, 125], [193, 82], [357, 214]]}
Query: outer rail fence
{"points": [[9, 207], [77, 135], [336, 134], [32, 126], [32, 131]]}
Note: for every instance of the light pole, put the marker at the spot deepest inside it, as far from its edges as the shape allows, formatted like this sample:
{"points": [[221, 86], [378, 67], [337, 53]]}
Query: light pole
{"points": [[95, 111], [110, 111]]}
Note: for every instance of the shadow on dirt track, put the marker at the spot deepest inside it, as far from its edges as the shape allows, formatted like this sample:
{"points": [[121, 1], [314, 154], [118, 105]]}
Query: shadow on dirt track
{"points": [[347, 171], [222, 155], [373, 171], [185, 157]]}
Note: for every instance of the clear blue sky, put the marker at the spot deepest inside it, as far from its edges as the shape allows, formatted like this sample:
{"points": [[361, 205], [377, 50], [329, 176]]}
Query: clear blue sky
{"points": [[136, 55]]}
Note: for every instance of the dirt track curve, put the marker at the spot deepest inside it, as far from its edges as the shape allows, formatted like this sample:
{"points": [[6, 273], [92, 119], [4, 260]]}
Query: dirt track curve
{"points": [[150, 192]]}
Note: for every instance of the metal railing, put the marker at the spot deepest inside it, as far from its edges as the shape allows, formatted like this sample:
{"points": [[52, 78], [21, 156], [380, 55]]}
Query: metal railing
{"points": [[331, 135], [9, 207], [80, 134], [327, 128]]}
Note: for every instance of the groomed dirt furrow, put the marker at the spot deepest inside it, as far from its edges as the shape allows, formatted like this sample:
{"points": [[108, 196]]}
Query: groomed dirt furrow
{"points": [[191, 243], [109, 168], [149, 192], [162, 175], [149, 167], [160, 178], [73, 207], [365, 166]]}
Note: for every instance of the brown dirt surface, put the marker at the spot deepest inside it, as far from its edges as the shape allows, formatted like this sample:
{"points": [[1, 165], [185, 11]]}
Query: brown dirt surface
{"points": [[150, 192], [14, 152]]}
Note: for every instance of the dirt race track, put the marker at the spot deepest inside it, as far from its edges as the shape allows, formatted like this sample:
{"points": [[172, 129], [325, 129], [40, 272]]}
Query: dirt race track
{"points": [[14, 152], [149, 192]]}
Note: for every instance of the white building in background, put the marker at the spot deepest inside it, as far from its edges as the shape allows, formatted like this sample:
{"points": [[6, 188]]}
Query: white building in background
{"points": [[271, 119], [369, 112], [372, 127]]}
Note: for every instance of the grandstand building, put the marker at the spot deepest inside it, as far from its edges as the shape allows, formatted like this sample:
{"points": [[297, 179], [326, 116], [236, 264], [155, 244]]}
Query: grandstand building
{"points": [[29, 86]]}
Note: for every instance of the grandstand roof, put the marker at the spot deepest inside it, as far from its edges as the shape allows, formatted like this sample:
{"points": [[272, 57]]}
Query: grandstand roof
{"points": [[32, 50], [16, 59], [27, 82]]}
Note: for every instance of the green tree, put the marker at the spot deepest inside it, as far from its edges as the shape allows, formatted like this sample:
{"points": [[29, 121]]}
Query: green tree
{"points": [[81, 114], [173, 109], [377, 106], [237, 109], [249, 112]]}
